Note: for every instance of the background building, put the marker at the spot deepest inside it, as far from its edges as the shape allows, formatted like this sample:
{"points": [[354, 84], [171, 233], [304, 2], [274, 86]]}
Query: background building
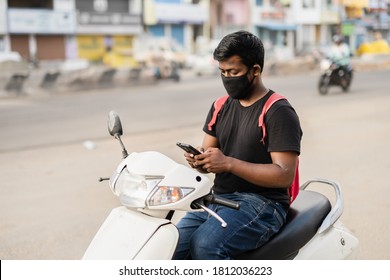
{"points": [[49, 30], [180, 21], [39, 29], [66, 29]]}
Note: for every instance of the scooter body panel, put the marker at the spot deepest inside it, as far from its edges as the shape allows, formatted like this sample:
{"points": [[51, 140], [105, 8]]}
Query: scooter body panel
{"points": [[337, 243], [125, 233], [162, 245]]}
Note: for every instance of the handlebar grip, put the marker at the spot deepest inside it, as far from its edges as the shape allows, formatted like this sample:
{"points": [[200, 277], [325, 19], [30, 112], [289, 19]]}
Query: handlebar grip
{"points": [[226, 202], [211, 198], [214, 199]]}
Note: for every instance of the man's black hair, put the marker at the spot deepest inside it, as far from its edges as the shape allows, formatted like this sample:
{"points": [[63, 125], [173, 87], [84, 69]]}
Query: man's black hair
{"points": [[244, 44]]}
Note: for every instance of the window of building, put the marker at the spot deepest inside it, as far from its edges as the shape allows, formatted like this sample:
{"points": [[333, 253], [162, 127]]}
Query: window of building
{"points": [[259, 3]]}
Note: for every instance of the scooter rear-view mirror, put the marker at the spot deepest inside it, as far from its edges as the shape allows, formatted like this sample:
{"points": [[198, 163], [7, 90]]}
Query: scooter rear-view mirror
{"points": [[114, 124], [115, 129]]}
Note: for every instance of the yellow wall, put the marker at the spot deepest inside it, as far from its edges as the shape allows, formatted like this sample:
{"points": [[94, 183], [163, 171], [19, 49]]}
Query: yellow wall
{"points": [[91, 48], [355, 3]]}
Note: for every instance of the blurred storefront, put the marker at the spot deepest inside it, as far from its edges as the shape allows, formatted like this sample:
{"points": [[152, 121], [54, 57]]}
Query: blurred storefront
{"points": [[361, 19], [98, 30], [67, 29], [229, 15], [378, 18], [4, 44], [272, 21], [107, 29], [38, 30], [177, 20]]}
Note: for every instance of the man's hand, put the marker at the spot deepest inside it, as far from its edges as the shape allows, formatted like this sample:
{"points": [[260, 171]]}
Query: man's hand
{"points": [[212, 160], [193, 162]]}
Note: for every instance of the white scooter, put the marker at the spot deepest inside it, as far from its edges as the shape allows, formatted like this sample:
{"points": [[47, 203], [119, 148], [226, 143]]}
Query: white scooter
{"points": [[151, 187]]}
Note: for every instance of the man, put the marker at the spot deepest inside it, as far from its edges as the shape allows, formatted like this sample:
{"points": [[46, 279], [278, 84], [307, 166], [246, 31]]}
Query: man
{"points": [[247, 171], [339, 52]]}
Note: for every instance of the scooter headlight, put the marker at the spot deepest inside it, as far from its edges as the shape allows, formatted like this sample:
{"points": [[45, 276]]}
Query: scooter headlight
{"points": [[133, 189], [167, 195], [138, 191]]}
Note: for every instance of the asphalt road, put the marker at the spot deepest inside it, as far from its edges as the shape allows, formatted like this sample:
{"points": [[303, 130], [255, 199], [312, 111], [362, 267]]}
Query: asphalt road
{"points": [[51, 203]]}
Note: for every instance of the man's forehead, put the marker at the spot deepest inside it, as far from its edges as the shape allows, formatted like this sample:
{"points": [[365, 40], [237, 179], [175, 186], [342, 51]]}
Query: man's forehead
{"points": [[232, 62]]}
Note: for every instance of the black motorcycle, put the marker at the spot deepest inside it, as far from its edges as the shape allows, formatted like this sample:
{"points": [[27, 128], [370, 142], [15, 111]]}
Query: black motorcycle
{"points": [[334, 74]]}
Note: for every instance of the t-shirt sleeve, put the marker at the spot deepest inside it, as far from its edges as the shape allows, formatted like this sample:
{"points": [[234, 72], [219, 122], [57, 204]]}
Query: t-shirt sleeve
{"points": [[283, 130]]}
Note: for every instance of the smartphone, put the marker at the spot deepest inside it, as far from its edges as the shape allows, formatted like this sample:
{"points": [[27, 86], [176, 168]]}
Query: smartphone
{"points": [[188, 148]]}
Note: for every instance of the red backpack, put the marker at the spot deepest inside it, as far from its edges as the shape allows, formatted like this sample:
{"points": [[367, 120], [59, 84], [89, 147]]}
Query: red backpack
{"points": [[294, 188]]}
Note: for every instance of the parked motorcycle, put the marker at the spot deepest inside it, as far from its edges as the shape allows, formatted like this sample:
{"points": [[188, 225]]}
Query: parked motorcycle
{"points": [[151, 187], [334, 74]]}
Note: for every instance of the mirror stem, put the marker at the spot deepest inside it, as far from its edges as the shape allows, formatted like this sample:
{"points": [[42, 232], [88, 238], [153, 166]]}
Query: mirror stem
{"points": [[124, 152]]}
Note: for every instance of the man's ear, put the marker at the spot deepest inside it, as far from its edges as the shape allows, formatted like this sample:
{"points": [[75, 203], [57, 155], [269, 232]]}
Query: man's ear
{"points": [[257, 71]]}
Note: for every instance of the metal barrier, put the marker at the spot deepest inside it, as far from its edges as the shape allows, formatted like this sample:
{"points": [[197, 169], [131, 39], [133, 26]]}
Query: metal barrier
{"points": [[106, 77], [49, 79], [15, 84]]}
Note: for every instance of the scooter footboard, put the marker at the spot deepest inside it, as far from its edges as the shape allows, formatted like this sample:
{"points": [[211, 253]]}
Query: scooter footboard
{"points": [[128, 234]]}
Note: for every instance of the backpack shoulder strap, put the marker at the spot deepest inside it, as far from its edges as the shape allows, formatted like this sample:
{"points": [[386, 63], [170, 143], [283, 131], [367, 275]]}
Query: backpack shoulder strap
{"points": [[294, 188], [217, 107], [270, 101]]}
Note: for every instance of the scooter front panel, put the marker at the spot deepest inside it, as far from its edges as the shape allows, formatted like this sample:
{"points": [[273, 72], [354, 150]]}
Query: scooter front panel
{"points": [[123, 235]]}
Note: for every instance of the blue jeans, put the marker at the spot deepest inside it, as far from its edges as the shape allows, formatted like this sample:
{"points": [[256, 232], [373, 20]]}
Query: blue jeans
{"points": [[203, 238]]}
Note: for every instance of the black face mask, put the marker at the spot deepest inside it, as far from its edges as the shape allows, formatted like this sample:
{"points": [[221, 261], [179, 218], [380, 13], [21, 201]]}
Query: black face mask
{"points": [[238, 87]]}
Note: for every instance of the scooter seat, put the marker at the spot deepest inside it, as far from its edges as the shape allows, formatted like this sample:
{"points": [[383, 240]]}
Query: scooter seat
{"points": [[305, 216]]}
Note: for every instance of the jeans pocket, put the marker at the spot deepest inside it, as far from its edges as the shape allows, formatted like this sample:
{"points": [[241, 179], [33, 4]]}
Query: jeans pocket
{"points": [[278, 217]]}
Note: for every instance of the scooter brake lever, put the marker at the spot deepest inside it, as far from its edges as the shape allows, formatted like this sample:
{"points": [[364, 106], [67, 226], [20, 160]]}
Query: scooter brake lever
{"points": [[212, 213]]}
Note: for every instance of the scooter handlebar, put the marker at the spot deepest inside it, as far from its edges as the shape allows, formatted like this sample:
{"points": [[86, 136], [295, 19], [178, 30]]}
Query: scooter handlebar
{"points": [[211, 198]]}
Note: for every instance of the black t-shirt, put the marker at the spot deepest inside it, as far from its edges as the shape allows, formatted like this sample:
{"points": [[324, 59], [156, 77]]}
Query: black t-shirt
{"points": [[239, 136]]}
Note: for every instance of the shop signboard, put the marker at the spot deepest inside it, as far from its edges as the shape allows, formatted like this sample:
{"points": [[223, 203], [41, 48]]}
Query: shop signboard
{"points": [[3, 17], [103, 16], [175, 13], [39, 21]]}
